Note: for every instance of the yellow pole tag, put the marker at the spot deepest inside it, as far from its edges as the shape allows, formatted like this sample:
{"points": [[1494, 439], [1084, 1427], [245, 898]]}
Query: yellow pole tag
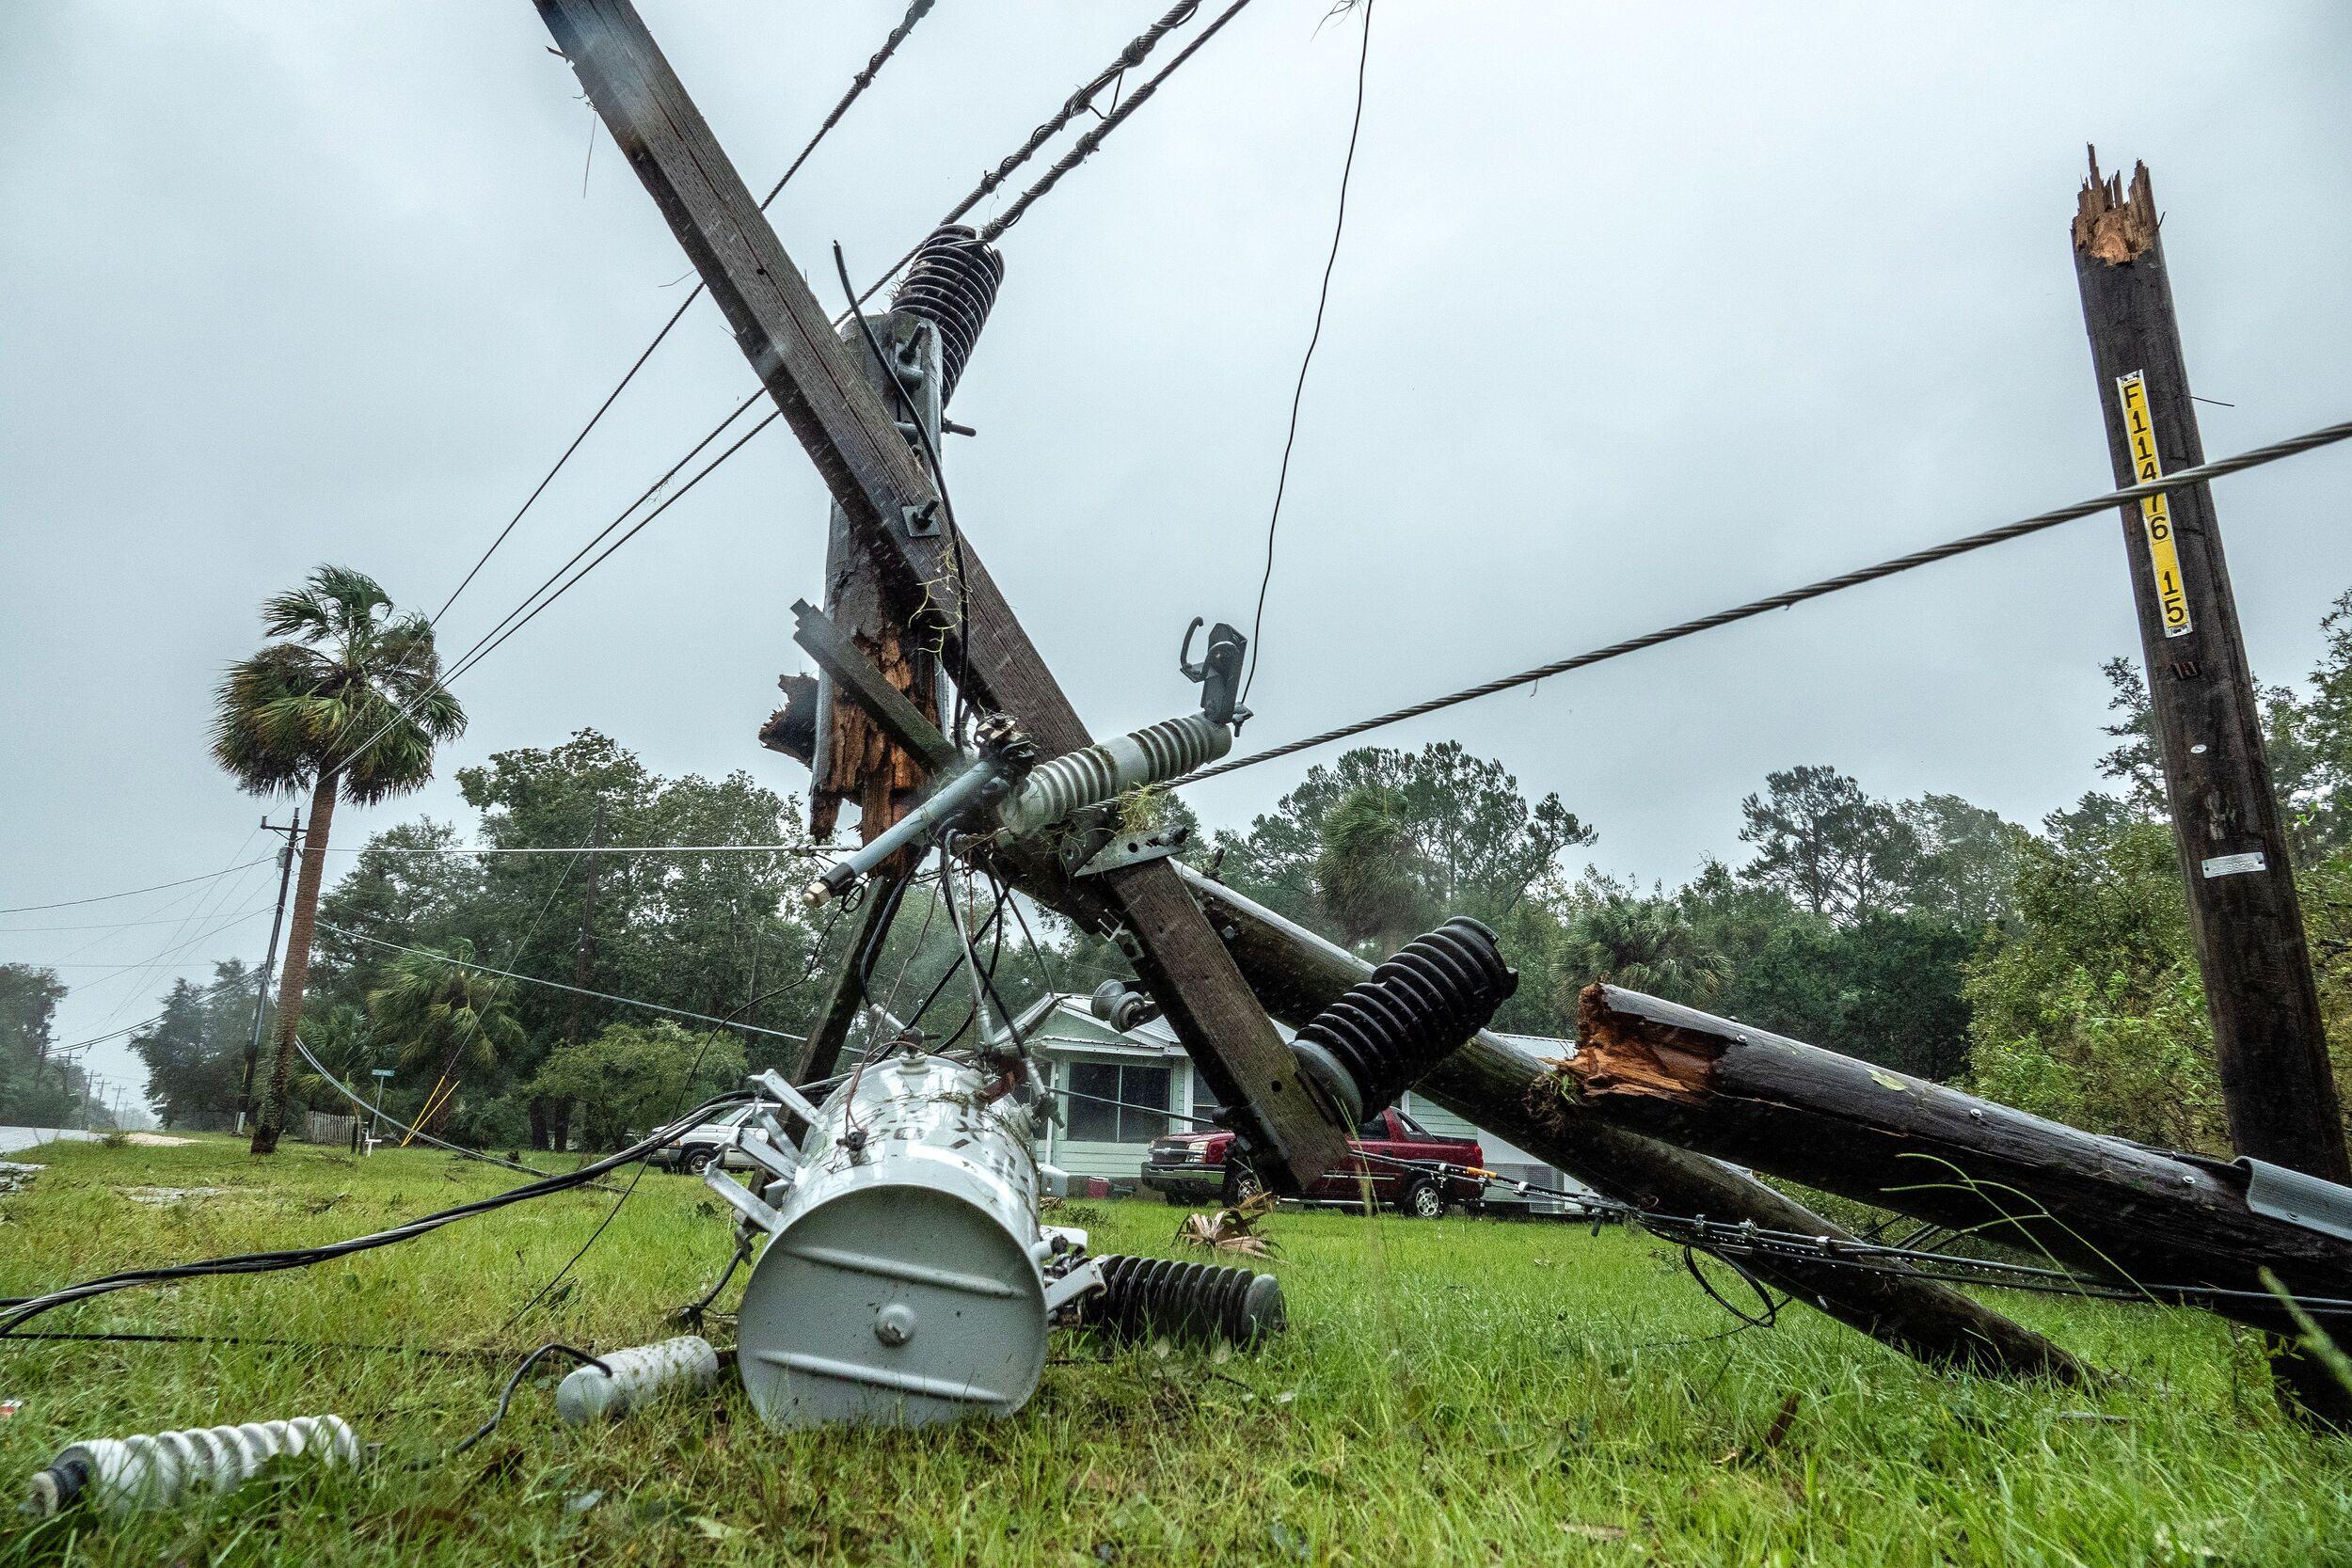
{"points": [[2155, 515]]}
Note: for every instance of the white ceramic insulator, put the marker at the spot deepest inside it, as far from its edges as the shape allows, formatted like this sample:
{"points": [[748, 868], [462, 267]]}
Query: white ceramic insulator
{"points": [[160, 1470], [1094, 774], [639, 1374]]}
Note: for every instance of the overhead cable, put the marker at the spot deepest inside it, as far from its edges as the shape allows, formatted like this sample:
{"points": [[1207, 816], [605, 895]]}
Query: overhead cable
{"points": [[581, 850], [558, 985], [2254, 458], [103, 897], [1085, 145], [1078, 103], [1299, 392], [858, 84], [380, 1113]]}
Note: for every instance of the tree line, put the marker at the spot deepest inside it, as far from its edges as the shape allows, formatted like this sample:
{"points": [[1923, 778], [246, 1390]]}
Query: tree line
{"points": [[2049, 968]]}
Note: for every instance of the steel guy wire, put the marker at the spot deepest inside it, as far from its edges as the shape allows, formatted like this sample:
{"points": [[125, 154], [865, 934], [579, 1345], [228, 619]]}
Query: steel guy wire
{"points": [[1085, 147], [1092, 140], [1299, 392], [2254, 458], [858, 84], [558, 985], [1077, 104], [349, 1093], [513, 952]]}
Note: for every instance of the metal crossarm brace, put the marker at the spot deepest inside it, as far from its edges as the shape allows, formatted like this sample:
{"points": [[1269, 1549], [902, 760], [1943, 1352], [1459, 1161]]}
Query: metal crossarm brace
{"points": [[866, 462], [854, 676]]}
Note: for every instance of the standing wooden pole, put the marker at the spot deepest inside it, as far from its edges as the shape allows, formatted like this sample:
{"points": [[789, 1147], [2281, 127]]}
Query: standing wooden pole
{"points": [[2242, 911]]}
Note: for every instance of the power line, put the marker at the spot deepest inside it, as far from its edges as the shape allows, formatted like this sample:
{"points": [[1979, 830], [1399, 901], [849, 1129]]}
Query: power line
{"points": [[858, 84], [583, 849], [558, 985], [1299, 392], [1085, 147], [103, 897], [2255, 458], [115, 925], [1078, 103]]}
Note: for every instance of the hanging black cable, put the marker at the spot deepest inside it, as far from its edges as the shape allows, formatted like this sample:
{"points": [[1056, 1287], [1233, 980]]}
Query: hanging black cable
{"points": [[1298, 392]]}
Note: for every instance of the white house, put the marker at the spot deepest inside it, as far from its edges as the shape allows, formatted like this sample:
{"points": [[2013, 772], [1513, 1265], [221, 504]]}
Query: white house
{"points": [[1151, 1079]]}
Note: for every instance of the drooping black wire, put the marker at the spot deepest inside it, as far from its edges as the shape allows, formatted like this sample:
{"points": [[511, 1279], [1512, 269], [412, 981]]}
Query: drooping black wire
{"points": [[24, 1309], [1299, 392]]}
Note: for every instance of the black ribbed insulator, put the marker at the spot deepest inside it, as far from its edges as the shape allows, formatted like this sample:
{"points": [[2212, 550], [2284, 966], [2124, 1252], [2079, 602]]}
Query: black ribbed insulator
{"points": [[952, 284], [1403, 1019], [1186, 1301]]}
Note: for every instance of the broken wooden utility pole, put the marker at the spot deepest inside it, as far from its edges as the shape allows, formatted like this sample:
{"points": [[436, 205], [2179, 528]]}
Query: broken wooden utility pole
{"points": [[895, 509], [2244, 913], [1514, 1093], [2113, 1208]]}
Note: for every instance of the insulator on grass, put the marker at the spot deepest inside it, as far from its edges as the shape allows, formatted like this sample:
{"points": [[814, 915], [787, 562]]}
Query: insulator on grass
{"points": [[638, 1375], [952, 284], [1093, 774], [1409, 1014], [161, 1469], [1187, 1301]]}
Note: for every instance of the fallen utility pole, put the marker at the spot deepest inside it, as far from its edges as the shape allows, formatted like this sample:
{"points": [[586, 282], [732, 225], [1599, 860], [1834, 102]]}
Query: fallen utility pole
{"points": [[1514, 1093], [894, 509], [2244, 913], [2114, 1209]]}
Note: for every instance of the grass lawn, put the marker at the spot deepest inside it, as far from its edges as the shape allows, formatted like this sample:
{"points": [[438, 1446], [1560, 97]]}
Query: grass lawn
{"points": [[1457, 1391]]}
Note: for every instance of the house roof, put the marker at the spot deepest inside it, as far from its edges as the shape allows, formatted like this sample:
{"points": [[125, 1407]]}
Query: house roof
{"points": [[1063, 1024]]}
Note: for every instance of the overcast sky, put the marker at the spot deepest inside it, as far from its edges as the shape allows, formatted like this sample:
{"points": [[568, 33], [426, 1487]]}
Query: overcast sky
{"points": [[1641, 311]]}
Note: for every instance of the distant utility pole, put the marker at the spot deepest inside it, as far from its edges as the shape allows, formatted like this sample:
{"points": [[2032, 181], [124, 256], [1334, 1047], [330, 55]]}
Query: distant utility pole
{"points": [[269, 962], [2243, 910]]}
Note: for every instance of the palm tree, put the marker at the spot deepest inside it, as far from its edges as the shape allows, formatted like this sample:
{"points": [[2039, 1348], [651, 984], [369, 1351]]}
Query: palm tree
{"points": [[348, 706], [1644, 944], [440, 1015], [1368, 869]]}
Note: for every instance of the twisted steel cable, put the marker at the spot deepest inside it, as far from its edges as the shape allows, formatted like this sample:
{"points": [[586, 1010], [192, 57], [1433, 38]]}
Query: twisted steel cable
{"points": [[2254, 458]]}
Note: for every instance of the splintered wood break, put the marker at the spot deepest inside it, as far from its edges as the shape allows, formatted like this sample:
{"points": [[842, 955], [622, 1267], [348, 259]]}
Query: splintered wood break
{"points": [[863, 763], [2112, 225], [1619, 1054]]}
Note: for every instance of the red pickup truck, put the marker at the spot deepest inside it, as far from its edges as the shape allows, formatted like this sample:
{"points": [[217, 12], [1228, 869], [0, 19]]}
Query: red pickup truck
{"points": [[1196, 1168]]}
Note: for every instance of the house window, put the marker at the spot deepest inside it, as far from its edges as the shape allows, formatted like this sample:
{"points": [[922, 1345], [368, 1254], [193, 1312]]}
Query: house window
{"points": [[1139, 1115]]}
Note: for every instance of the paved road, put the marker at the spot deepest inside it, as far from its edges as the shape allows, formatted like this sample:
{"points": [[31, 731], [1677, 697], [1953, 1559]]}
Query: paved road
{"points": [[15, 1140]]}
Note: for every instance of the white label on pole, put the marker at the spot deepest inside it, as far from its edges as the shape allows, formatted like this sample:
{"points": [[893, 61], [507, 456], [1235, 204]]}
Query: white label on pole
{"points": [[2229, 865]]}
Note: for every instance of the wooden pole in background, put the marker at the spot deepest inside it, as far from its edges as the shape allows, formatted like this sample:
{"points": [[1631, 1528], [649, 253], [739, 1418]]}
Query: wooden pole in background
{"points": [[2242, 911]]}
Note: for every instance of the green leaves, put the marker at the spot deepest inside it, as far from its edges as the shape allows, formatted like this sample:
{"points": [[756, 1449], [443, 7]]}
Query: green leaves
{"points": [[348, 693]]}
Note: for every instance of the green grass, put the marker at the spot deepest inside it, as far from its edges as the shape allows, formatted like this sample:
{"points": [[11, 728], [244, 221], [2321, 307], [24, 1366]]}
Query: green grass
{"points": [[1462, 1391]]}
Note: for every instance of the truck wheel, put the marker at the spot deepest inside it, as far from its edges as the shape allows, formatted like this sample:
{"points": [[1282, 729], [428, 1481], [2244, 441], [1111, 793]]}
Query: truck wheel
{"points": [[695, 1160], [1241, 1183], [1424, 1201]]}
